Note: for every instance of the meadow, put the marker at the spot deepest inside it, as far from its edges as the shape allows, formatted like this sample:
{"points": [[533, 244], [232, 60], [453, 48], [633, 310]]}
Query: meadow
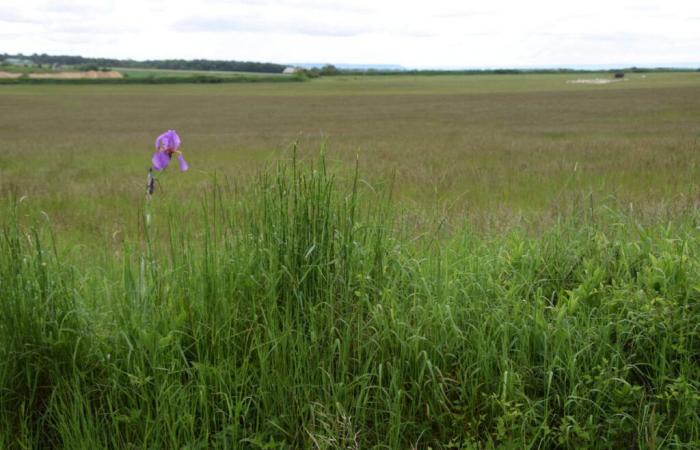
{"points": [[498, 149], [140, 73], [353, 262]]}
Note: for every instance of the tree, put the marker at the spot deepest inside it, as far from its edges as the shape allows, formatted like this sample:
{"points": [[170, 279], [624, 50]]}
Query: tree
{"points": [[329, 69]]}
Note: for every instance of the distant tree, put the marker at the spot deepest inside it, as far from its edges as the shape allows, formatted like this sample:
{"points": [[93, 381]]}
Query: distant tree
{"points": [[309, 73], [329, 69]]}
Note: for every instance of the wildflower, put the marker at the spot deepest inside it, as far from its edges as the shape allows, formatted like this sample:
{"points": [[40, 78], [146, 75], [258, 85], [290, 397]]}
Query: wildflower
{"points": [[167, 145]]}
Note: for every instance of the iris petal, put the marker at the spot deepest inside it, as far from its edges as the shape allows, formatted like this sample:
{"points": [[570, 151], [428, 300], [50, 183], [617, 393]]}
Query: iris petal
{"points": [[175, 139], [168, 141], [159, 140], [183, 164], [160, 160]]}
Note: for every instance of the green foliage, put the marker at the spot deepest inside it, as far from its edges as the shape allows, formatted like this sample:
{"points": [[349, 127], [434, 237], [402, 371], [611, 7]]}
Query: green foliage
{"points": [[311, 73], [498, 152], [329, 70], [293, 314], [154, 79], [88, 67], [176, 64]]}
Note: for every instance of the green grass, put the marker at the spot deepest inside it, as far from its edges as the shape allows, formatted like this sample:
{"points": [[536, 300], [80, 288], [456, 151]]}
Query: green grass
{"points": [[140, 73], [515, 262], [287, 314], [500, 151], [149, 76], [25, 69]]}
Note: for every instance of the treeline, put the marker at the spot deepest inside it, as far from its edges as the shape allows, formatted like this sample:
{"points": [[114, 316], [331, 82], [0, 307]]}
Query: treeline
{"points": [[330, 70], [84, 63], [177, 64], [511, 71]]}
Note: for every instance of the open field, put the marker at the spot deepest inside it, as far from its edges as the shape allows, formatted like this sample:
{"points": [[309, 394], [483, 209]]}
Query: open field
{"points": [[493, 148], [14, 75], [137, 73], [515, 263]]}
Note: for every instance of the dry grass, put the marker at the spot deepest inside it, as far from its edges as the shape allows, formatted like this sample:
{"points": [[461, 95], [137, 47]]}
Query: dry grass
{"points": [[478, 145]]}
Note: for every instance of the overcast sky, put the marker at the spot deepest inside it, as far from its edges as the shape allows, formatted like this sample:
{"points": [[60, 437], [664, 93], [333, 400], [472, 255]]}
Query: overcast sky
{"points": [[426, 33]]}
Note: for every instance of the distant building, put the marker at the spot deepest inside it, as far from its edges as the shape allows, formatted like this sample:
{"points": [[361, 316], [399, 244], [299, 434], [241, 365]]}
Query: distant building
{"points": [[19, 62], [291, 70], [619, 74]]}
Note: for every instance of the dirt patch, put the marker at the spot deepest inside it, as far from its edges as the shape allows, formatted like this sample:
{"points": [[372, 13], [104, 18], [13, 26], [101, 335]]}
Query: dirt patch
{"points": [[91, 74], [593, 81], [9, 75]]}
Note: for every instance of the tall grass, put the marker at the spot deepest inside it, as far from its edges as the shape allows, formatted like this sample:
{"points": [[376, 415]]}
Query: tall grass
{"points": [[294, 314]]}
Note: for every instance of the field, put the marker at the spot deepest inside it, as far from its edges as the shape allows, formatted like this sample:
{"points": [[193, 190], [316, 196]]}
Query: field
{"points": [[353, 262], [78, 75], [140, 73]]}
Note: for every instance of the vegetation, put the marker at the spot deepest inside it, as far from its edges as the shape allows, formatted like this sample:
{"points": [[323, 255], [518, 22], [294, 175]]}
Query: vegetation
{"points": [[158, 78], [290, 315], [562, 70], [179, 64], [135, 73], [492, 270], [326, 70], [500, 152], [11, 68]]}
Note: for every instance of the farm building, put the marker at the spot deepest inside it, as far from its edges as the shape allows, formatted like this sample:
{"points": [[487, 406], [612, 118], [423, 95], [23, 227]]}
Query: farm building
{"points": [[291, 70]]}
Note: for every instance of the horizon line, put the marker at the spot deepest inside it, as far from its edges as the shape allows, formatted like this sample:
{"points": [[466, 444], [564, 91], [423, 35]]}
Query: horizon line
{"points": [[401, 67]]}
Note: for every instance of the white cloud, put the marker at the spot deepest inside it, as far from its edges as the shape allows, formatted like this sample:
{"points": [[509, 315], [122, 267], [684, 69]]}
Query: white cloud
{"points": [[416, 34]]}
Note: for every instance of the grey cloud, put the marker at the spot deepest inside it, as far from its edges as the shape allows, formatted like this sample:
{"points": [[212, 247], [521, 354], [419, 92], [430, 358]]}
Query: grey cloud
{"points": [[459, 15], [605, 37], [257, 24], [260, 24], [644, 8], [69, 7], [301, 4], [12, 16], [418, 34], [90, 28]]}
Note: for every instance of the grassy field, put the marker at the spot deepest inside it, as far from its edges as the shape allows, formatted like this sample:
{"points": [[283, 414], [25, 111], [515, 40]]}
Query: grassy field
{"points": [[32, 75], [140, 73], [492, 148], [472, 262]]}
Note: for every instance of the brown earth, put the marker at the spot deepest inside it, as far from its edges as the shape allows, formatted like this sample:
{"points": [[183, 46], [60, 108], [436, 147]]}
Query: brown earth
{"points": [[9, 75]]}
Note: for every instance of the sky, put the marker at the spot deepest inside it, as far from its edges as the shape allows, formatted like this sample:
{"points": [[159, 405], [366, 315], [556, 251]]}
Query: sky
{"points": [[413, 34]]}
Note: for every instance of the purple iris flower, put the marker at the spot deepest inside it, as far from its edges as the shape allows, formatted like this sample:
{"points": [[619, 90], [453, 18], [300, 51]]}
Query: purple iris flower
{"points": [[167, 144]]}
